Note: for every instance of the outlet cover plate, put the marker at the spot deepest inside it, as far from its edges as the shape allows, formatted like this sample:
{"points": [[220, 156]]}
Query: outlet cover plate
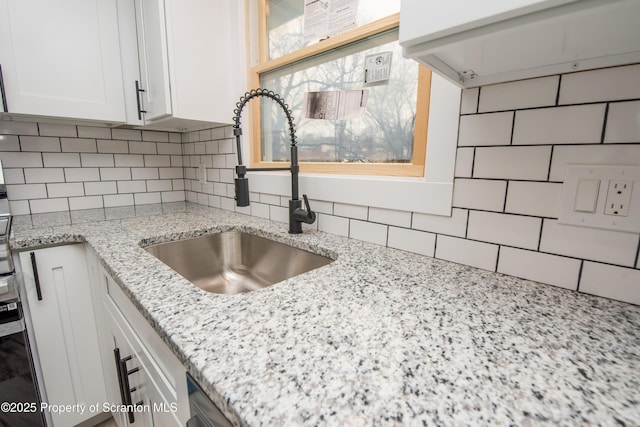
{"points": [[574, 174]]}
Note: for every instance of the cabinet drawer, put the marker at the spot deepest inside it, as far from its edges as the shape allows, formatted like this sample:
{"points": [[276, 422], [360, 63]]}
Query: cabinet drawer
{"points": [[167, 371]]}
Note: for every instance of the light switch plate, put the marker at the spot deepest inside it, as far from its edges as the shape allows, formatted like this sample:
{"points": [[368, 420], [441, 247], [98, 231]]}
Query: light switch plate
{"points": [[573, 213]]}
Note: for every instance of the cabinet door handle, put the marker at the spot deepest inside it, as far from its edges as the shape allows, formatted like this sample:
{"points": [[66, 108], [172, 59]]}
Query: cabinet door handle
{"points": [[36, 277], [5, 108], [139, 100], [123, 382]]}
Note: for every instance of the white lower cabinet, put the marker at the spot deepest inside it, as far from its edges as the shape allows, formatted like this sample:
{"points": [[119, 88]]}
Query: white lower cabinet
{"points": [[145, 382], [58, 294]]}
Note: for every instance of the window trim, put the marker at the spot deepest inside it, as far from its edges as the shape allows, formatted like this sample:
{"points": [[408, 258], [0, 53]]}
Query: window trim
{"points": [[415, 168]]}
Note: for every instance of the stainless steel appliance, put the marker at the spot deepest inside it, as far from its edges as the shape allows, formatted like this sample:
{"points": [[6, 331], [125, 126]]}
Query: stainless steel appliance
{"points": [[19, 396], [204, 413]]}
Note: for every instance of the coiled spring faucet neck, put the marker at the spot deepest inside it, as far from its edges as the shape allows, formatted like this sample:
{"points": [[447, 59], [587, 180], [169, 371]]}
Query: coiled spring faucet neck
{"points": [[297, 215]]}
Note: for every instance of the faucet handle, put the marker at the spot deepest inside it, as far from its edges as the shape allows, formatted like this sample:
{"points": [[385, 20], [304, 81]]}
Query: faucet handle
{"points": [[308, 216], [306, 203]]}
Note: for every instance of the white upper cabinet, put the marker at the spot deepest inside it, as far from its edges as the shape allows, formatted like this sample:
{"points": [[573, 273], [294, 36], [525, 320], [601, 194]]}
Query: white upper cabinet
{"points": [[61, 58], [190, 59], [474, 43]]}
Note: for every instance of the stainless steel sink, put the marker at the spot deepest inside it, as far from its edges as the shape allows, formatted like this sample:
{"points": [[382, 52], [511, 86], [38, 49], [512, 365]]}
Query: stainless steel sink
{"points": [[233, 262]]}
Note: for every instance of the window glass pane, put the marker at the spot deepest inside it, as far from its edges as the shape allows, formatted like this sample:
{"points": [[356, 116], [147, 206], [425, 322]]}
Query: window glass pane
{"points": [[383, 133], [285, 22]]}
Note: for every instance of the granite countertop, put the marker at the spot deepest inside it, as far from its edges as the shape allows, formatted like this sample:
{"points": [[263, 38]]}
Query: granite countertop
{"points": [[378, 337]]}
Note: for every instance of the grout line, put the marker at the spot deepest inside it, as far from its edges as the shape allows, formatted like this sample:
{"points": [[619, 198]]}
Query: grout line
{"points": [[604, 123]]}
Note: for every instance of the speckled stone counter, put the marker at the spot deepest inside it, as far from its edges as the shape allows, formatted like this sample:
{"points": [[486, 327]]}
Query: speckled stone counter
{"points": [[378, 337]]}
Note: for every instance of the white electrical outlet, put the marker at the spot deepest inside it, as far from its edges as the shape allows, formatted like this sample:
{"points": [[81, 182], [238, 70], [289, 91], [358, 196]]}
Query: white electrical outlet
{"points": [[601, 196], [618, 198]]}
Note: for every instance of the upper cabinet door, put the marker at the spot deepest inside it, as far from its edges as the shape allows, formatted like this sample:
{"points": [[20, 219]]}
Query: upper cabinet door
{"points": [[152, 52], [478, 43], [61, 58]]}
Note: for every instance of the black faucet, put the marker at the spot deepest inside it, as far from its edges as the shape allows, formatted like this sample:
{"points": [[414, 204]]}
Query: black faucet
{"points": [[297, 215]]}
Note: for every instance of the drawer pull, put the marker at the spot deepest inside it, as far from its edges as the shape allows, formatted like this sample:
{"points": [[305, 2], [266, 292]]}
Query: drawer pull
{"points": [[36, 277]]}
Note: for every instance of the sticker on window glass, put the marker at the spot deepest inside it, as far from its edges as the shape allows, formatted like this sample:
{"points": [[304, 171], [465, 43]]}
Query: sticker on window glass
{"points": [[377, 68], [335, 105], [325, 18]]}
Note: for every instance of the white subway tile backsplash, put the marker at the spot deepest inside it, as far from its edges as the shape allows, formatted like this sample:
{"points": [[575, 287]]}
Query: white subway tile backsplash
{"points": [[578, 124], [520, 94], [620, 154], [174, 173], [144, 173], [534, 198], [589, 243], [112, 146], [65, 189], [169, 148], [350, 211], [610, 281], [78, 145], [390, 217], [40, 143], [139, 147], [469, 101], [607, 84], [8, 127], [19, 207], [146, 198], [276, 213], [177, 161], [115, 174], [61, 160], [150, 135], [513, 230], [218, 133], [126, 134], [415, 241], [623, 122], [128, 160], [540, 267], [96, 160], [368, 232], [260, 210], [153, 160], [454, 225], [81, 174], [485, 129], [524, 163], [226, 146], [173, 196], [40, 175], [54, 129], [333, 224], [13, 176], [269, 199], [468, 252], [9, 143], [86, 202], [99, 188], [26, 191], [464, 162], [118, 200], [479, 194], [211, 147], [131, 186], [21, 160], [159, 185], [94, 132], [48, 205], [175, 137]]}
